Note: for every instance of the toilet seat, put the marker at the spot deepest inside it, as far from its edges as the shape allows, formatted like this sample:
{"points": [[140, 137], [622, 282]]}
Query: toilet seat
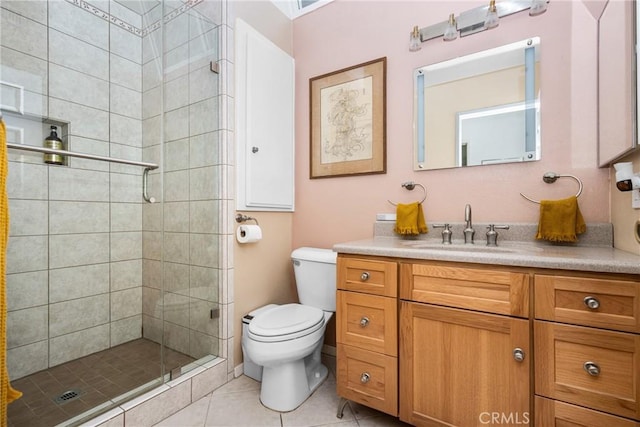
{"points": [[285, 322]]}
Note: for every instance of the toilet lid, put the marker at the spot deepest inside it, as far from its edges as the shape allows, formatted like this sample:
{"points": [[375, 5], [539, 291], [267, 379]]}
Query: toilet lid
{"points": [[286, 322]]}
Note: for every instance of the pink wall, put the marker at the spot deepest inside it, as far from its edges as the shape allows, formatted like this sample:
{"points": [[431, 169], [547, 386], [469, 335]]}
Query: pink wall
{"points": [[349, 32]]}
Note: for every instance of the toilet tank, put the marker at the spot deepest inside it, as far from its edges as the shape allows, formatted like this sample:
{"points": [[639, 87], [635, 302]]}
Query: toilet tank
{"points": [[315, 274]]}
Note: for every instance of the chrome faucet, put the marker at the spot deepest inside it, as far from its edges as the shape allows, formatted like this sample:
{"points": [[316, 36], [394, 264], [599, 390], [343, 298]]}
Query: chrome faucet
{"points": [[468, 229]]}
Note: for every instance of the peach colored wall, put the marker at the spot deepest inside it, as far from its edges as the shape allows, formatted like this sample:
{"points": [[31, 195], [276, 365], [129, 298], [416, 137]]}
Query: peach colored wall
{"points": [[262, 271], [267, 19], [349, 32]]}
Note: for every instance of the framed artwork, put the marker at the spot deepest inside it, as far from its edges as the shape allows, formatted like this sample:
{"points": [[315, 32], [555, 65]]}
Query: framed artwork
{"points": [[348, 121]]}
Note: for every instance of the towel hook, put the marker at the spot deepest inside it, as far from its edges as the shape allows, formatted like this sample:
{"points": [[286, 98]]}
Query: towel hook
{"points": [[410, 185], [550, 178]]}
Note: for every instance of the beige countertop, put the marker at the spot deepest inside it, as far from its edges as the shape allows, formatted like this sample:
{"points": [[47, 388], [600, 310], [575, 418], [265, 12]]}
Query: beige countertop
{"points": [[603, 259]]}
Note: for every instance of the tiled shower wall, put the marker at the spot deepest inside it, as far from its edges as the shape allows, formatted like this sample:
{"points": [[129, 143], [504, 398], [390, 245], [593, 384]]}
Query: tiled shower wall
{"points": [[84, 258]]}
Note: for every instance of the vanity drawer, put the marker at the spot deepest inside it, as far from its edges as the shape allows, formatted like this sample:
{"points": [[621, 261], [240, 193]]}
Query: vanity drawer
{"points": [[615, 304], [491, 291], [553, 413], [368, 378], [367, 321], [376, 277], [564, 354]]}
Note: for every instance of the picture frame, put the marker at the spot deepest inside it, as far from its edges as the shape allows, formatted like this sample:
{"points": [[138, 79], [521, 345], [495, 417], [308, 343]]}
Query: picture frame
{"points": [[348, 121]]}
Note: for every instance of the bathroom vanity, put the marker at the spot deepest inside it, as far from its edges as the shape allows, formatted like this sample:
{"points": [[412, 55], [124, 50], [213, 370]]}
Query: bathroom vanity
{"points": [[462, 335]]}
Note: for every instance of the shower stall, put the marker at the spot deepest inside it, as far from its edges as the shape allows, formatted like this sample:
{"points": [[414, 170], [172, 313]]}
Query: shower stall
{"points": [[110, 295]]}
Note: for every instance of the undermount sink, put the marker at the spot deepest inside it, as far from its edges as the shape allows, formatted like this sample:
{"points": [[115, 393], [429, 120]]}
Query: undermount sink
{"points": [[477, 247]]}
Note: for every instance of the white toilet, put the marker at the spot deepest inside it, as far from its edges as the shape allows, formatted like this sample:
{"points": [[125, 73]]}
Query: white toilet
{"points": [[286, 340]]}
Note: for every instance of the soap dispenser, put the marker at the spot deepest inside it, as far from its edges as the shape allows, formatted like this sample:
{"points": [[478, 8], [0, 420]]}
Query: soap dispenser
{"points": [[53, 142]]}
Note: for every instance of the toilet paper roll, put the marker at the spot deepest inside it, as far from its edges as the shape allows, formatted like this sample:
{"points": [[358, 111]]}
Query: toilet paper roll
{"points": [[249, 233]]}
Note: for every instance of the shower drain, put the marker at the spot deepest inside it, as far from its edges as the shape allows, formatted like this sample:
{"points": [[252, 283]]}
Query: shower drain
{"points": [[67, 396]]}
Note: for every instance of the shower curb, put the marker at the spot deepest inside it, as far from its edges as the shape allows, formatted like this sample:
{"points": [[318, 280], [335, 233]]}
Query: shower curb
{"points": [[163, 401]]}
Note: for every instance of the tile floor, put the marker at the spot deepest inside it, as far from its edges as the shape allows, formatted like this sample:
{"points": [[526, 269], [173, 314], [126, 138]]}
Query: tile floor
{"points": [[237, 403], [96, 378]]}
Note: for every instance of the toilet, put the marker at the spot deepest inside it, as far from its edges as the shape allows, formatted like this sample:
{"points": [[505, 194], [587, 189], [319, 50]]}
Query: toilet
{"points": [[286, 340]]}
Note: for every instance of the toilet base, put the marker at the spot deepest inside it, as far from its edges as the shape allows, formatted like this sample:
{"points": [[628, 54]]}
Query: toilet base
{"points": [[287, 386]]}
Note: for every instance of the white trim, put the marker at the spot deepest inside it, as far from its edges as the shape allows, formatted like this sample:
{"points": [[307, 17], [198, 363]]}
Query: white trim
{"points": [[238, 370], [291, 8]]}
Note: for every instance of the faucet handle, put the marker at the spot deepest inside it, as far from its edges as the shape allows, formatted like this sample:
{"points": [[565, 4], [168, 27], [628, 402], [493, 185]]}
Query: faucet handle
{"points": [[492, 234], [446, 233]]}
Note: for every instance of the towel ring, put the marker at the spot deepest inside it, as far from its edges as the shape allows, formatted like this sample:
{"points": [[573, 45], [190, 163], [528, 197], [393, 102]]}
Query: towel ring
{"points": [[410, 185], [550, 178]]}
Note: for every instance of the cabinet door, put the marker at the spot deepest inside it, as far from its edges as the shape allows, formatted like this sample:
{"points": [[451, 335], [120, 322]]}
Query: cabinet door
{"points": [[368, 322], [490, 290], [457, 367], [265, 95], [371, 276], [616, 82], [602, 302], [368, 377], [550, 413], [589, 367]]}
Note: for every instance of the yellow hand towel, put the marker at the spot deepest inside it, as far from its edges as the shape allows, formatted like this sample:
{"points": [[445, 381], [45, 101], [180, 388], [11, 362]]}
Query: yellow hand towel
{"points": [[7, 394], [410, 219], [560, 220]]}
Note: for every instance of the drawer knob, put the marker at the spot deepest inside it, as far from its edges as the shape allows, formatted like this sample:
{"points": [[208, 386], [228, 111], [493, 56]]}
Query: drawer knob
{"points": [[592, 369], [591, 302], [365, 377], [365, 276], [518, 354], [364, 322]]}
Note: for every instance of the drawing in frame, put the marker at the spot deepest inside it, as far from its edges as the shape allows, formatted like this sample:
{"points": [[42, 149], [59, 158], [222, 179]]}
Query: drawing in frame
{"points": [[348, 121]]}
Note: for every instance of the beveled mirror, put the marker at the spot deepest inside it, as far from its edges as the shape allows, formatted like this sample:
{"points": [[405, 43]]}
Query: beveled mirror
{"points": [[479, 109]]}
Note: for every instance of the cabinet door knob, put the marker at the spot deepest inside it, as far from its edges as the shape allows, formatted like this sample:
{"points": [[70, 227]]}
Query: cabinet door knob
{"points": [[518, 354], [365, 276], [364, 322], [365, 377], [592, 368], [591, 302]]}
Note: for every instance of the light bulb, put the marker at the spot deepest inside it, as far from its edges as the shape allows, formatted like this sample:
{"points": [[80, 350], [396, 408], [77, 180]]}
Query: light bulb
{"points": [[538, 7], [492, 20], [451, 33], [415, 44]]}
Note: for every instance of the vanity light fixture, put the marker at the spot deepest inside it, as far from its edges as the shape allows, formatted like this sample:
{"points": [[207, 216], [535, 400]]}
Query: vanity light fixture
{"points": [[414, 40], [473, 21], [538, 7], [492, 19], [451, 33]]}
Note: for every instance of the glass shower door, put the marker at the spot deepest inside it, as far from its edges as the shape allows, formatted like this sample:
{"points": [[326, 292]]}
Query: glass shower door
{"points": [[192, 181]]}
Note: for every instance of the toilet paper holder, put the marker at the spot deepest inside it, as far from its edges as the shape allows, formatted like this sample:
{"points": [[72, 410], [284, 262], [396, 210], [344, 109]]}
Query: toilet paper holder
{"points": [[244, 218]]}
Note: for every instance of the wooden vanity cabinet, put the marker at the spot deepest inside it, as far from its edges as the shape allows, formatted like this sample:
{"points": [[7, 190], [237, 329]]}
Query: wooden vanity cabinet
{"points": [[587, 345], [465, 355], [455, 344], [367, 332]]}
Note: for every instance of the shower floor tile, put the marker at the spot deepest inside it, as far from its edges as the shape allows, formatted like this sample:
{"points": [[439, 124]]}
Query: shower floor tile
{"points": [[97, 378]]}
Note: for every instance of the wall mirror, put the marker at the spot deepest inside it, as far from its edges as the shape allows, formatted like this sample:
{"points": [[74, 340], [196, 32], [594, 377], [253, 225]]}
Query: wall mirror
{"points": [[479, 109]]}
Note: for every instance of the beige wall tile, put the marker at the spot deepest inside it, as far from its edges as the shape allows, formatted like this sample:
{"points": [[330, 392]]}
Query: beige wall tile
{"points": [[78, 282]]}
